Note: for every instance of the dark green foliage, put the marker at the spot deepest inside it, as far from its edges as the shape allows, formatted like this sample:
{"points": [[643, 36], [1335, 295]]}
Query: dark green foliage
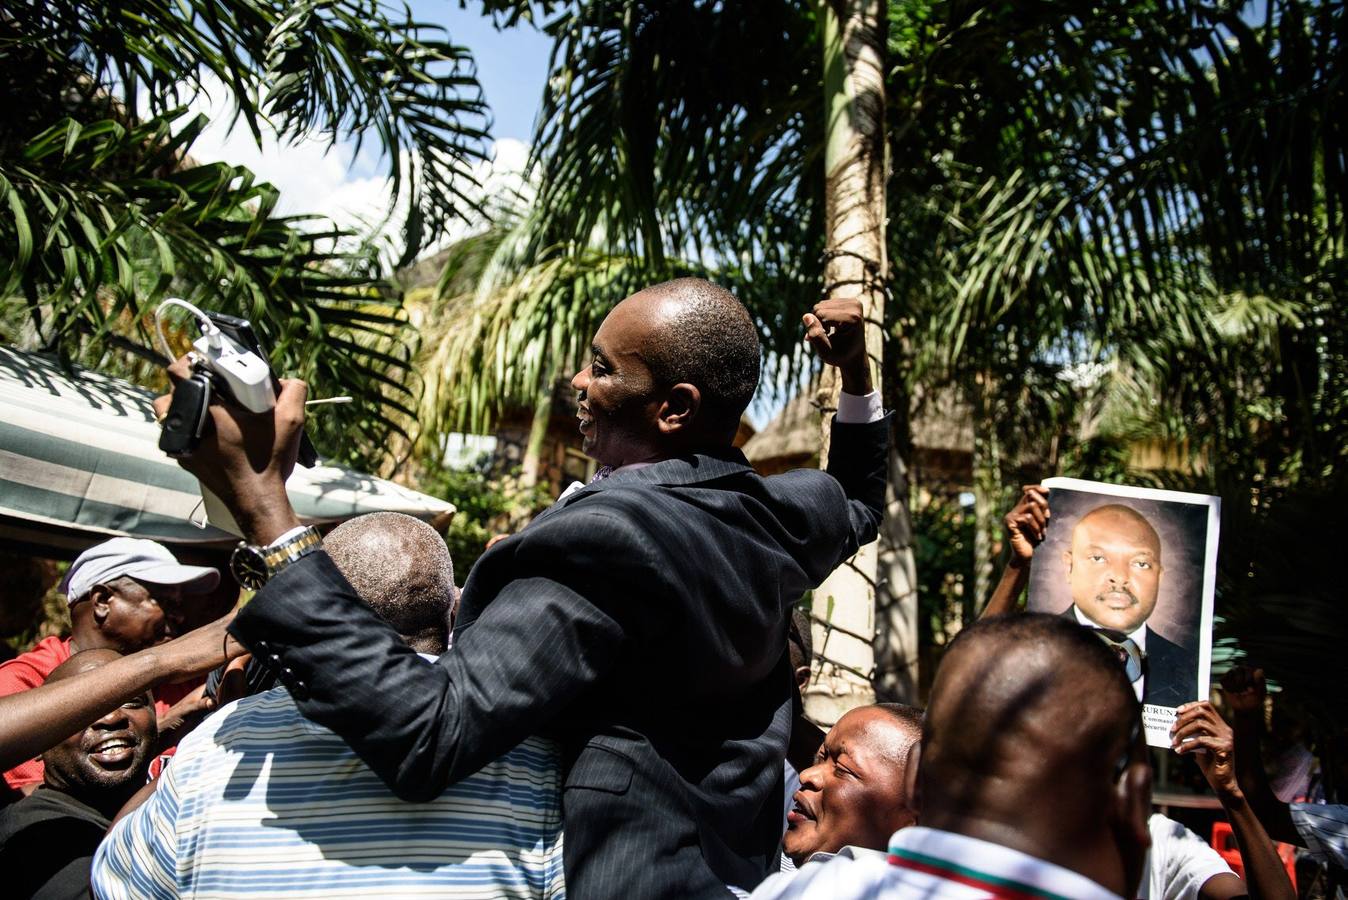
{"points": [[487, 504], [943, 550]]}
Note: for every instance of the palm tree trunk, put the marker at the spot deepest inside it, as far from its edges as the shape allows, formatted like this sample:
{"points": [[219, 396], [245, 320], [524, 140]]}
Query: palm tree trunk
{"points": [[854, 188], [538, 432]]}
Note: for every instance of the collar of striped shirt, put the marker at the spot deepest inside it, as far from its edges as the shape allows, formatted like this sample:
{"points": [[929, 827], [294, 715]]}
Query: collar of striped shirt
{"points": [[1001, 871]]}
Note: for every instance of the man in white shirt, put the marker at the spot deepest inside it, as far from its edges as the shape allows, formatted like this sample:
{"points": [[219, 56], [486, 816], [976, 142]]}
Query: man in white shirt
{"points": [[1183, 866], [1031, 778]]}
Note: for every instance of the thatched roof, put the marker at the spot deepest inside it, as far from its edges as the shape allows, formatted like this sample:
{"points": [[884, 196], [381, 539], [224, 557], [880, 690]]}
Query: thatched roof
{"points": [[793, 432], [941, 423]]}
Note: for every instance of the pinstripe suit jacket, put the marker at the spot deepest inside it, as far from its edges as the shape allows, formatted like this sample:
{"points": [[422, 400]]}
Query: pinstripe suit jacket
{"points": [[641, 622]]}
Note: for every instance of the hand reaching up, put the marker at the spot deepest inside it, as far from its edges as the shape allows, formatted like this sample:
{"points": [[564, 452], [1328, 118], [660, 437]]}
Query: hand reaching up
{"points": [[1026, 523]]}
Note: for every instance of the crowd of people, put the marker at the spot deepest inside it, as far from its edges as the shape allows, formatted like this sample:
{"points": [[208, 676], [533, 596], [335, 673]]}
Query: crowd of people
{"points": [[611, 706]]}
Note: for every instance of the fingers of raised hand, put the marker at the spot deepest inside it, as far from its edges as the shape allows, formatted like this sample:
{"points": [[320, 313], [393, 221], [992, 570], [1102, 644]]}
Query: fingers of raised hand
{"points": [[815, 332], [180, 369], [1192, 713], [843, 312], [290, 404], [1218, 751], [1036, 496]]}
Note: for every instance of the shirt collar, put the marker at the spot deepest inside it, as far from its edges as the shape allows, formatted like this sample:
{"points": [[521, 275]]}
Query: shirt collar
{"points": [[848, 852], [1001, 870], [1138, 637]]}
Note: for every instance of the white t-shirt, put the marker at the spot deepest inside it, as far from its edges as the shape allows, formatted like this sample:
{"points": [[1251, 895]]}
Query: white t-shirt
{"points": [[1179, 863]]}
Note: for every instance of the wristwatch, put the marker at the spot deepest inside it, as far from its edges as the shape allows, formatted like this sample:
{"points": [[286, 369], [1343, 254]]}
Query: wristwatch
{"points": [[254, 565]]}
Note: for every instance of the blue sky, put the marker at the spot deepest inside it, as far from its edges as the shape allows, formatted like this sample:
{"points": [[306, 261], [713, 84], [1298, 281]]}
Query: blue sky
{"points": [[512, 65]]}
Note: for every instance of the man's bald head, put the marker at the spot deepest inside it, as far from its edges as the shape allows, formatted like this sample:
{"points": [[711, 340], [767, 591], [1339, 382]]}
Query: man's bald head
{"points": [[1114, 567], [401, 567], [705, 337], [1116, 516], [83, 661], [904, 728], [1031, 741]]}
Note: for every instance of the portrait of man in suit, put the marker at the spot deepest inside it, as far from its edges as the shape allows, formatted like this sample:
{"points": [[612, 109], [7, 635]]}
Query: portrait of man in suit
{"points": [[1115, 567]]}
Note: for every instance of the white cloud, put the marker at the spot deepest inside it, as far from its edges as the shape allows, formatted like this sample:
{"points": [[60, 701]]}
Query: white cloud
{"points": [[314, 178]]}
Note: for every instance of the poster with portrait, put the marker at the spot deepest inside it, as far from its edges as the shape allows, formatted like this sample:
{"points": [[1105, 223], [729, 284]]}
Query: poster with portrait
{"points": [[1140, 566]]}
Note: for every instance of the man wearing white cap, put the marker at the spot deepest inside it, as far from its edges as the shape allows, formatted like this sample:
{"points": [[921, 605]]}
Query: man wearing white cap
{"points": [[124, 594]]}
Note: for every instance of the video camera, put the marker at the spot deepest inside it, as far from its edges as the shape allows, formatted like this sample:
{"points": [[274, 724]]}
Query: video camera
{"points": [[227, 359]]}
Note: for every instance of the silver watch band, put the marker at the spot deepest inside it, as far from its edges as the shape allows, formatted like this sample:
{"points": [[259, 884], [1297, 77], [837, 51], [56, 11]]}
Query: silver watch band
{"points": [[290, 549]]}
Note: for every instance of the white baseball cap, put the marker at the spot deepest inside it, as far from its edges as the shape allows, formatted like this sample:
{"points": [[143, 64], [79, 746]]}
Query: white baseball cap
{"points": [[139, 559]]}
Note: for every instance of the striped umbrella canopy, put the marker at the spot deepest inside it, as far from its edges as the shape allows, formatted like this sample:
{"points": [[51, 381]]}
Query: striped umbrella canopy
{"points": [[80, 462]]}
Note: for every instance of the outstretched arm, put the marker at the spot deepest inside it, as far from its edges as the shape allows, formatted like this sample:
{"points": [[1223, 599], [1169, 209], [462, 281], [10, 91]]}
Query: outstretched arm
{"points": [[1025, 526], [33, 721], [1201, 731], [1245, 693], [538, 643]]}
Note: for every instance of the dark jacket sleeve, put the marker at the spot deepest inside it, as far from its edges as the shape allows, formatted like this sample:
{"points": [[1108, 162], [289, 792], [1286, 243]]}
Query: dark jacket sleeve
{"points": [[858, 457], [421, 727]]}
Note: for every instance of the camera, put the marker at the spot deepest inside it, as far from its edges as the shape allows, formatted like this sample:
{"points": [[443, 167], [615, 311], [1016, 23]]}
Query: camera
{"points": [[228, 360]]}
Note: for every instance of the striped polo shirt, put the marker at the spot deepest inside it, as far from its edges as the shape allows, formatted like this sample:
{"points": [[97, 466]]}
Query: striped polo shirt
{"points": [[261, 801]]}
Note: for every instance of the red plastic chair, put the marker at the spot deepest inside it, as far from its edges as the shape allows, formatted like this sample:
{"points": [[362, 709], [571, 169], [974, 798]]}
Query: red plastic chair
{"points": [[1224, 842]]}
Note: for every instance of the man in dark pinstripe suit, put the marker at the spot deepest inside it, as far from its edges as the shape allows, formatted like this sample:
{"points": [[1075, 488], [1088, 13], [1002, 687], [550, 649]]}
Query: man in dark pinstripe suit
{"points": [[641, 620]]}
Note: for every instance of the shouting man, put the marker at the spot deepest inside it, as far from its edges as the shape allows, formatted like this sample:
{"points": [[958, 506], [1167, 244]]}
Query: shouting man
{"points": [[641, 621]]}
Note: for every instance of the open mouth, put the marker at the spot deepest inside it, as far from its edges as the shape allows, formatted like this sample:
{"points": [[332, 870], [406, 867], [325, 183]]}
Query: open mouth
{"points": [[799, 813], [113, 751], [586, 421]]}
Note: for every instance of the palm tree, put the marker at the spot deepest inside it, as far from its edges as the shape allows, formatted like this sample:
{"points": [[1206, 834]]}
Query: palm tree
{"points": [[1114, 221], [106, 212], [856, 265]]}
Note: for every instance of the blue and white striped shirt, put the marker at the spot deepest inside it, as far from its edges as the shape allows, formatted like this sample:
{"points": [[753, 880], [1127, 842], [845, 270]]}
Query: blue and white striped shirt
{"points": [[259, 800]]}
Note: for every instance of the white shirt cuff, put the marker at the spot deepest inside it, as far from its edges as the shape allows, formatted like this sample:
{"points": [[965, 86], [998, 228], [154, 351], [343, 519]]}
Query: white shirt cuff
{"points": [[855, 410], [289, 534]]}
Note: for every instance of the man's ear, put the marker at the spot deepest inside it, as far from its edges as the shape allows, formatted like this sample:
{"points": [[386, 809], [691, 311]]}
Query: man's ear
{"points": [[802, 675], [100, 600], [1067, 562], [679, 409], [911, 784], [1132, 808]]}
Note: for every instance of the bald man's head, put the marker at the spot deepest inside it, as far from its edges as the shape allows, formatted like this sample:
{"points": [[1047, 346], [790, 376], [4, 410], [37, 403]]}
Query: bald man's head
{"points": [[1114, 567], [1031, 740], [705, 337], [401, 567]]}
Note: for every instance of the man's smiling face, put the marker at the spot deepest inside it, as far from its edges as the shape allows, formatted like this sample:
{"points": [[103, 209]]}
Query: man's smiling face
{"points": [[110, 755], [1114, 567], [617, 407]]}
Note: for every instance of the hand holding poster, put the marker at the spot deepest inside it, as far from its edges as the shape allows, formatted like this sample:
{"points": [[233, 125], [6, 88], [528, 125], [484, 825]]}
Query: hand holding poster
{"points": [[1140, 566]]}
